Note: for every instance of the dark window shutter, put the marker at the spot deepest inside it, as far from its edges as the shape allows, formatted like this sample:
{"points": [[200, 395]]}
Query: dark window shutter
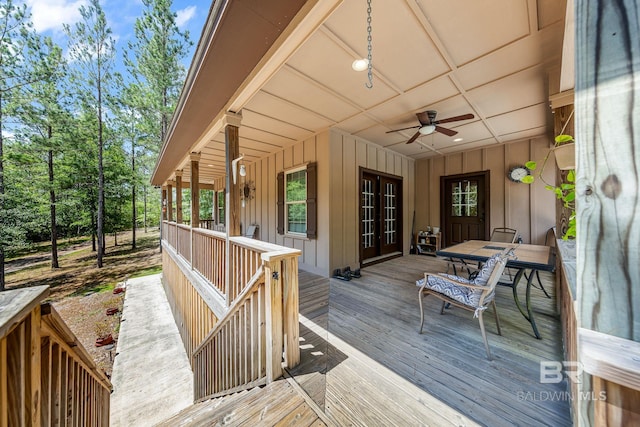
{"points": [[280, 192], [312, 196], [215, 212]]}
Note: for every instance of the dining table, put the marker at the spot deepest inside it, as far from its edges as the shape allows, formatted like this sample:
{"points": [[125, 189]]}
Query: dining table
{"points": [[525, 257]]}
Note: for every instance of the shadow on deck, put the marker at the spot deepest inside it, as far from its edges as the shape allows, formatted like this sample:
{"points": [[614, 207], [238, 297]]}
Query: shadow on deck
{"points": [[364, 363]]}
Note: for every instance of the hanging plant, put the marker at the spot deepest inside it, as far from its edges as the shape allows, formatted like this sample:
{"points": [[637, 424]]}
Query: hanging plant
{"points": [[566, 191]]}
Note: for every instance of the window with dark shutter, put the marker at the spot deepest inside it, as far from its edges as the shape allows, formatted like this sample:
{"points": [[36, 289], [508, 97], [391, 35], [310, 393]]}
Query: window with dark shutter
{"points": [[297, 201], [312, 195], [280, 196]]}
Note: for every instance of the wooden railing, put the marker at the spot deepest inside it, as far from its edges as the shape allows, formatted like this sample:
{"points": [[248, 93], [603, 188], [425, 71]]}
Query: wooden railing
{"points": [[171, 233], [183, 243], [255, 325], [46, 375], [219, 363], [259, 334], [210, 260], [193, 316], [209, 257]]}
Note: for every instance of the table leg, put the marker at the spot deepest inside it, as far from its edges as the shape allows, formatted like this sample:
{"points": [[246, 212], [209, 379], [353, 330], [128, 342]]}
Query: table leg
{"points": [[529, 309], [514, 287], [528, 314]]}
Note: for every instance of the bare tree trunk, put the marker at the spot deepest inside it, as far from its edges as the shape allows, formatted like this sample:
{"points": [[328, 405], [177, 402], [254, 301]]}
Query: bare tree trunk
{"points": [[133, 194], [145, 209], [93, 231], [1, 200], [101, 209], [52, 207]]}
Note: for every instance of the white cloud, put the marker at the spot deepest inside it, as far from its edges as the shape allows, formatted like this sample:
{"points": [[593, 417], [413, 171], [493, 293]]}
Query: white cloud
{"points": [[185, 15], [51, 14]]}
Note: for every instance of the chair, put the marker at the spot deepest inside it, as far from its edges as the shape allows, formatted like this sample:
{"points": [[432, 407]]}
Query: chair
{"points": [[499, 234], [473, 295], [504, 235], [251, 231], [549, 240]]}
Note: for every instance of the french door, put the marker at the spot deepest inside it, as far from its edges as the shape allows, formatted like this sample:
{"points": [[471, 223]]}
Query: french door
{"points": [[380, 214], [465, 207]]}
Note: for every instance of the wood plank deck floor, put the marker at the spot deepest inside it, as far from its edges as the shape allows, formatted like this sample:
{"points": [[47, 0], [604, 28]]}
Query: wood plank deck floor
{"points": [[364, 363]]}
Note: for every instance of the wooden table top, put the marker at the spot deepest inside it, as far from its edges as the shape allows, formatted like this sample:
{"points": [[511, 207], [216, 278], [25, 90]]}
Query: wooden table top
{"points": [[536, 257]]}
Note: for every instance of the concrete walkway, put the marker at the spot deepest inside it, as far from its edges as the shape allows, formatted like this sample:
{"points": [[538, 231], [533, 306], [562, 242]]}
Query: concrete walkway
{"points": [[152, 379]]}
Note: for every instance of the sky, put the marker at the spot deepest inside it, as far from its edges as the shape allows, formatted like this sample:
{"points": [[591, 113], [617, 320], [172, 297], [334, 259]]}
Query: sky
{"points": [[49, 15]]}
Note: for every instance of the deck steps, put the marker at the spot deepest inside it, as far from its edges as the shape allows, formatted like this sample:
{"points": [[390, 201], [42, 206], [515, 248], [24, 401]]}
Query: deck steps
{"points": [[276, 404]]}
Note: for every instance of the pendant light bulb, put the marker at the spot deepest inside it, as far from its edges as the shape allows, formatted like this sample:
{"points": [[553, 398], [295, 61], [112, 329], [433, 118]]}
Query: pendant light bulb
{"points": [[360, 64]]}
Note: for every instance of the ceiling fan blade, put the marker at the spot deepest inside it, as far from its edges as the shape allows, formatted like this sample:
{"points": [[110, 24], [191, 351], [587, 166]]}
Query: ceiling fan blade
{"points": [[424, 118], [398, 130], [445, 131], [413, 138], [455, 119]]}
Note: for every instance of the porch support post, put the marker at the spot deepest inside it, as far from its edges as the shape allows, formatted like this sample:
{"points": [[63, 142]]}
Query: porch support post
{"points": [[195, 200], [273, 316], [163, 204], [195, 190], [169, 201], [231, 123], [179, 197], [232, 147], [607, 100]]}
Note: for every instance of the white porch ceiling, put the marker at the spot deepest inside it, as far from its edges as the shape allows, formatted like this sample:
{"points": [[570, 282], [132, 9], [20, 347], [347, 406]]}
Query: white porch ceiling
{"points": [[496, 59]]}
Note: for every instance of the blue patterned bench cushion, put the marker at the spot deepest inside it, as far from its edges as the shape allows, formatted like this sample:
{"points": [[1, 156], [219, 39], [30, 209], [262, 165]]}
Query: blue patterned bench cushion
{"points": [[464, 295]]}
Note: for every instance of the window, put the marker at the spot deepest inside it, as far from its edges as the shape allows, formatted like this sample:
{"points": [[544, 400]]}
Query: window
{"points": [[464, 196], [297, 201], [221, 197]]}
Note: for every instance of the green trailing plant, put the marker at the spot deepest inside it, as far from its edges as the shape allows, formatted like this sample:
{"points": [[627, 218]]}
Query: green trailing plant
{"points": [[566, 191]]}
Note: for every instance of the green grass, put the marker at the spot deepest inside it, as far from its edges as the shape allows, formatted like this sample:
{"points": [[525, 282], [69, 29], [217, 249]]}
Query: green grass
{"points": [[147, 271]]}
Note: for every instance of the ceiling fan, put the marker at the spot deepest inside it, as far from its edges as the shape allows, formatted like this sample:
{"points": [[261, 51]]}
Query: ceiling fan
{"points": [[429, 124]]}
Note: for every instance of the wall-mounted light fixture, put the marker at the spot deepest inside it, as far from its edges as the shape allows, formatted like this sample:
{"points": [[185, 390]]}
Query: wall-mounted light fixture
{"points": [[247, 192], [234, 167]]}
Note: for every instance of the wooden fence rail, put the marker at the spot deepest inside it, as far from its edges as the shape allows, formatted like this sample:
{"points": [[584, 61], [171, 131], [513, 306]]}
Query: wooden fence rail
{"points": [[46, 375], [259, 334], [209, 257], [183, 243], [172, 233], [233, 354], [238, 317]]}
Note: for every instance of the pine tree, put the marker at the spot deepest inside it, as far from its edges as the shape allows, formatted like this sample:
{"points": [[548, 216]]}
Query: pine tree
{"points": [[16, 36], [153, 60], [43, 119], [93, 49]]}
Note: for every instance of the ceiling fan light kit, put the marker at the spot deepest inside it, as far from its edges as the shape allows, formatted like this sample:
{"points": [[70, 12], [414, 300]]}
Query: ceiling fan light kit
{"points": [[426, 130], [429, 124]]}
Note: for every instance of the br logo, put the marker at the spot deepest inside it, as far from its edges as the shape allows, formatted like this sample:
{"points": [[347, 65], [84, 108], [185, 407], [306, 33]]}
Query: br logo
{"points": [[551, 372]]}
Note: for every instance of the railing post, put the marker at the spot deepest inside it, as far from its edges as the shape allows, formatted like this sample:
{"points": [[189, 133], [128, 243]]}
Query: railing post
{"points": [[291, 324], [273, 302], [35, 393]]}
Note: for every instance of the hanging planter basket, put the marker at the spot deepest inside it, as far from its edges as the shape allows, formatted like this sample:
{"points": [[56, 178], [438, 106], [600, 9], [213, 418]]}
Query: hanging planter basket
{"points": [[565, 156]]}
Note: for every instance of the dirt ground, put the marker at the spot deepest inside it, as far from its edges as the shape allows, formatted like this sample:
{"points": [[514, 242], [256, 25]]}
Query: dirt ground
{"points": [[82, 293]]}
